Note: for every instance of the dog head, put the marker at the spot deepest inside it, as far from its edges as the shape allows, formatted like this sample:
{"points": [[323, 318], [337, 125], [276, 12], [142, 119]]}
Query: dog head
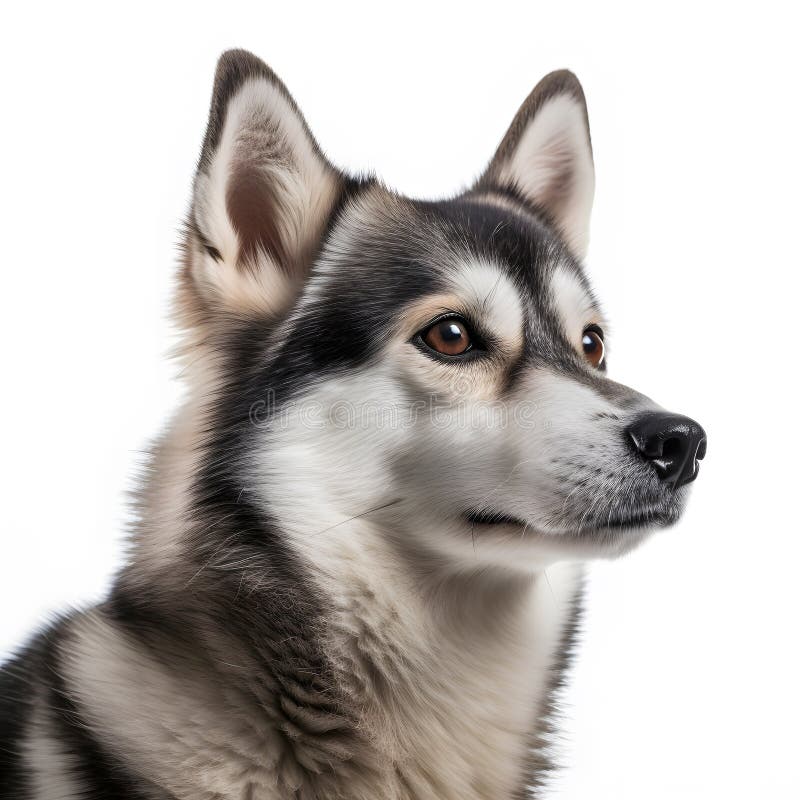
{"points": [[434, 372]]}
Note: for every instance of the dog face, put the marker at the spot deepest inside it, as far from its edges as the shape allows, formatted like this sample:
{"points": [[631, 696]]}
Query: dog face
{"points": [[433, 372]]}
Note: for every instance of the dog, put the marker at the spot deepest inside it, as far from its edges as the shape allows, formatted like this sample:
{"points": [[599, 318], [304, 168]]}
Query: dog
{"points": [[356, 570]]}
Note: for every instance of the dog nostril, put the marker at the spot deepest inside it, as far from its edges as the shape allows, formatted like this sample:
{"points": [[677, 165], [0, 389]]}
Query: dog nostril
{"points": [[671, 449]]}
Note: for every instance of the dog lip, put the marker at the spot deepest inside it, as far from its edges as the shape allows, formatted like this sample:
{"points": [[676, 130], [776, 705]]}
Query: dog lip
{"points": [[643, 519], [493, 518]]}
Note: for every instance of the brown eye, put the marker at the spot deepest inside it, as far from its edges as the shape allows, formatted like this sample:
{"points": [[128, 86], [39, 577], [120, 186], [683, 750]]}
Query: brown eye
{"points": [[593, 347], [449, 337]]}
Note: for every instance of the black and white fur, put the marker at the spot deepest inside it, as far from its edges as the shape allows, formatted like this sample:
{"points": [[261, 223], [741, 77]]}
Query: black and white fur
{"points": [[321, 602]]}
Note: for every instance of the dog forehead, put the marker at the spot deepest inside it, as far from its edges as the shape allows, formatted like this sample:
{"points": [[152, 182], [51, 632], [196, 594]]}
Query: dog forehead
{"points": [[384, 247]]}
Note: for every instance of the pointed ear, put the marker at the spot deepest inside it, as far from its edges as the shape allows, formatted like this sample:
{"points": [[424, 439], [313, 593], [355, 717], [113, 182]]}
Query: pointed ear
{"points": [[263, 192], [546, 157]]}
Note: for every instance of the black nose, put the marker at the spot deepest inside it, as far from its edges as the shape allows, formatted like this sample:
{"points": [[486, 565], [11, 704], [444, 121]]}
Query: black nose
{"points": [[671, 443]]}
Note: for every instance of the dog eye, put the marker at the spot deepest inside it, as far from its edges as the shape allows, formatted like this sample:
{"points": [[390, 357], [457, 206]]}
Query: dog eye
{"points": [[449, 336], [593, 347]]}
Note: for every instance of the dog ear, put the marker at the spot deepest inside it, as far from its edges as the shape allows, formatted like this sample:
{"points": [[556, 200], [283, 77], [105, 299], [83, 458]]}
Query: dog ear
{"points": [[263, 192], [546, 157]]}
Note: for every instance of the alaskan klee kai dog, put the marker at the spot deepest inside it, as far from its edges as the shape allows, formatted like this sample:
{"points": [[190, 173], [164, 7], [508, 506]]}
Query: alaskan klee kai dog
{"points": [[356, 568]]}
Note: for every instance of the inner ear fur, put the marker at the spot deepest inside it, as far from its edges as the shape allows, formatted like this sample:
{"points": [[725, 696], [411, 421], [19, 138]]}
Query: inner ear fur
{"points": [[546, 157], [263, 192]]}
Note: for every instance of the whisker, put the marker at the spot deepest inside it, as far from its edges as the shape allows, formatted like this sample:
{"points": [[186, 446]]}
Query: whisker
{"points": [[550, 585], [358, 516], [504, 481]]}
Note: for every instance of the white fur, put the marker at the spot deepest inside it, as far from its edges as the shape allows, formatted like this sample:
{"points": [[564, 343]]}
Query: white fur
{"points": [[489, 294], [573, 303]]}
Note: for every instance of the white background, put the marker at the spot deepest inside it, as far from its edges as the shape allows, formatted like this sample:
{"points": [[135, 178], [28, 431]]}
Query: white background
{"points": [[686, 686]]}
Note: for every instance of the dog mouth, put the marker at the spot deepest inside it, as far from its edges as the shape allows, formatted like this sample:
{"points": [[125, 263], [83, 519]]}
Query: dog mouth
{"points": [[648, 518], [493, 518]]}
